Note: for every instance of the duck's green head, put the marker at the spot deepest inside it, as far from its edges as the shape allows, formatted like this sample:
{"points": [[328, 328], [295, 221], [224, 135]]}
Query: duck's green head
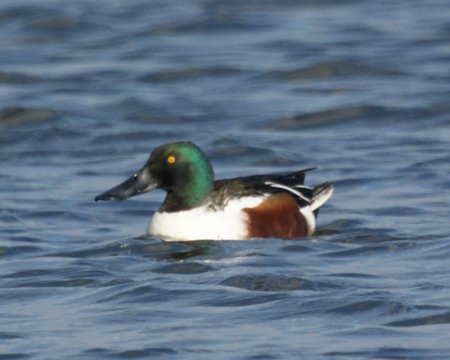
{"points": [[180, 168]]}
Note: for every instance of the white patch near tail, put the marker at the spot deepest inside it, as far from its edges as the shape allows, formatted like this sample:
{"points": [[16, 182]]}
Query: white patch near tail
{"points": [[308, 214]]}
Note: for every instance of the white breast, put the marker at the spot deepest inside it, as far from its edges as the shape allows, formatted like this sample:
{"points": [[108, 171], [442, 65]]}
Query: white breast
{"points": [[203, 223]]}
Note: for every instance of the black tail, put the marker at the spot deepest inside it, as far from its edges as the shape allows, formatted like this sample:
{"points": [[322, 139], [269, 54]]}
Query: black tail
{"points": [[321, 194]]}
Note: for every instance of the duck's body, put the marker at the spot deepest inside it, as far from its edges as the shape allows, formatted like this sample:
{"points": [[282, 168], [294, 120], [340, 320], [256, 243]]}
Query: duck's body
{"points": [[199, 208], [203, 222]]}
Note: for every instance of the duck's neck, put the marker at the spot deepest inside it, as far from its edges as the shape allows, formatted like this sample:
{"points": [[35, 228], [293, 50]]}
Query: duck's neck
{"points": [[191, 191]]}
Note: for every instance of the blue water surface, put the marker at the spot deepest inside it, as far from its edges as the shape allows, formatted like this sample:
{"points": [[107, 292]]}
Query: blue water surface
{"points": [[358, 89]]}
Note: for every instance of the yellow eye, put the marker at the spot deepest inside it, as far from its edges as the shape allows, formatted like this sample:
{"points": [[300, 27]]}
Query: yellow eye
{"points": [[171, 159]]}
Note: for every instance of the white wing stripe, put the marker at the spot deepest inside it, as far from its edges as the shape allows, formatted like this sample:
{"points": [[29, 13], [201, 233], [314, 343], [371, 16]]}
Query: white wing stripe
{"points": [[289, 189], [302, 187]]}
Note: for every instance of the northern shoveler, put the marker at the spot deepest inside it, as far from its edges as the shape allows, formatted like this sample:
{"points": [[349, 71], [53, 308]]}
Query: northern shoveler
{"points": [[199, 208]]}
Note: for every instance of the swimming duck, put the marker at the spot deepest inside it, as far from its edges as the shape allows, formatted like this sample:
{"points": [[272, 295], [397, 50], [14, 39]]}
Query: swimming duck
{"points": [[197, 207]]}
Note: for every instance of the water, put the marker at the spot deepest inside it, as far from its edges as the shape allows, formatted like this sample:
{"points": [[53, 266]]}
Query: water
{"points": [[359, 89]]}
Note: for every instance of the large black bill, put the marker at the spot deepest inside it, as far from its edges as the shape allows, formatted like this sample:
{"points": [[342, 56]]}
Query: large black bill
{"points": [[139, 183]]}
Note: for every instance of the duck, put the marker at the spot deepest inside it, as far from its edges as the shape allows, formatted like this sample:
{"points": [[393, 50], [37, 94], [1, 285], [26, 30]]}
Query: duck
{"points": [[198, 207]]}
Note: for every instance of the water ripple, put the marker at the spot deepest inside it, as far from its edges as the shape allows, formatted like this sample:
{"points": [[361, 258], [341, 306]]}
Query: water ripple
{"points": [[272, 283], [443, 318], [19, 115]]}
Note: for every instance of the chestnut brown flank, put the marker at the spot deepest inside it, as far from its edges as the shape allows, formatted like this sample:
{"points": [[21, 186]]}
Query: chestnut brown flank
{"points": [[277, 216]]}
